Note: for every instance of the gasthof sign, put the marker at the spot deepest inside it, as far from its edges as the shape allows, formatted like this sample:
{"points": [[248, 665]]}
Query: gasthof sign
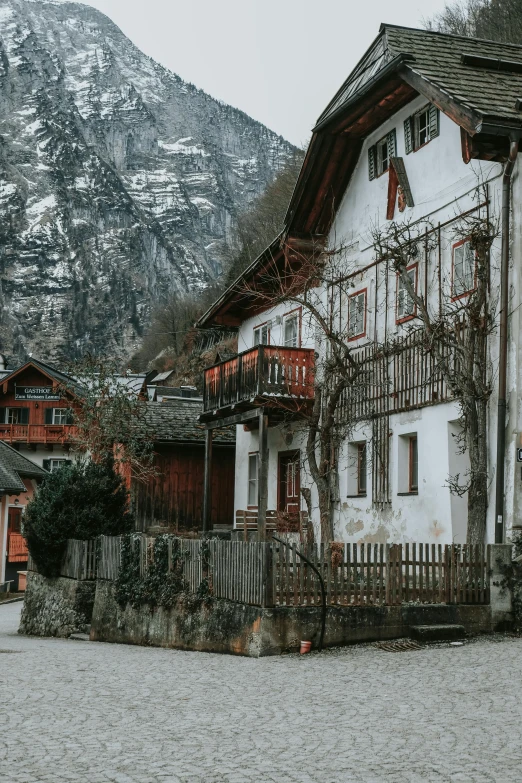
{"points": [[36, 393]]}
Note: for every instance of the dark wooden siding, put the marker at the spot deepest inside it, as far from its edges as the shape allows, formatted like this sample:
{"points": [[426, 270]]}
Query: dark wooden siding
{"points": [[175, 497]]}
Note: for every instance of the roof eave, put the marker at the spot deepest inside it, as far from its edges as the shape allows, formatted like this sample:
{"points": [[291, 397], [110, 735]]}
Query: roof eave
{"points": [[392, 67]]}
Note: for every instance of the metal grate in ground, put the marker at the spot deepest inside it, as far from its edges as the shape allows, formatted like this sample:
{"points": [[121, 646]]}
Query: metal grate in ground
{"points": [[398, 645]]}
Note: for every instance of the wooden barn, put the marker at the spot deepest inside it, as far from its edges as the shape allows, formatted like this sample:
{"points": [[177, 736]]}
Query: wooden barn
{"points": [[173, 500]]}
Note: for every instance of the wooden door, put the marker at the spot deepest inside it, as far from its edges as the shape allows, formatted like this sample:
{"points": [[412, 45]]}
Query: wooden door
{"points": [[14, 520], [289, 481]]}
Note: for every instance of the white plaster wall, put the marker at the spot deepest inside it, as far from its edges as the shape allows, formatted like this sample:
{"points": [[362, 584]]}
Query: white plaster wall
{"points": [[443, 187], [40, 453], [273, 314]]}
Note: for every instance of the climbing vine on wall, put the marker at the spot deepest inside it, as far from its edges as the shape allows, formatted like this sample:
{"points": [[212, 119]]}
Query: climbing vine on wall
{"points": [[157, 585]]}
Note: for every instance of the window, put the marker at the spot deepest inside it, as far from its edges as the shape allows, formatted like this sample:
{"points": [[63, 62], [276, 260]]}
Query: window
{"points": [[252, 479], [421, 128], [379, 155], [405, 304], [361, 468], [408, 464], [55, 464], [413, 465], [464, 266], [357, 469], [58, 416], [262, 334], [291, 331], [14, 415], [357, 315]]}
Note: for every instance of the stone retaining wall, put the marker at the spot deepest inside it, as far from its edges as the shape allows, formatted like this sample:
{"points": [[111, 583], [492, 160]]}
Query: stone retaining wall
{"points": [[56, 607], [227, 627]]}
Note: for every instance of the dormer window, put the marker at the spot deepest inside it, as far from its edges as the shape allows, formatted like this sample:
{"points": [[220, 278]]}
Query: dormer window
{"points": [[379, 155], [420, 128]]}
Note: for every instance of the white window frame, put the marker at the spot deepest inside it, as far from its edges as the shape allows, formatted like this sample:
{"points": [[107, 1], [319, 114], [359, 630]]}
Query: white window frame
{"points": [[56, 463], [63, 413], [406, 307], [382, 159], [424, 112], [253, 478], [295, 315], [357, 314], [259, 331], [467, 282]]}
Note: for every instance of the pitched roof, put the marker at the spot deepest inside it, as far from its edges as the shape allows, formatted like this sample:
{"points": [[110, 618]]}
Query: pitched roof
{"points": [[176, 421], [160, 377], [13, 468], [51, 372], [482, 76], [476, 82]]}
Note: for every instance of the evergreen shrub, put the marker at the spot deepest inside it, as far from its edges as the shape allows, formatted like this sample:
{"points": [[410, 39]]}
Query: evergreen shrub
{"points": [[81, 500]]}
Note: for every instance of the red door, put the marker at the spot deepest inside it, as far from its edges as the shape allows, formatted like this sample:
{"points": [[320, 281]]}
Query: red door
{"points": [[289, 481]]}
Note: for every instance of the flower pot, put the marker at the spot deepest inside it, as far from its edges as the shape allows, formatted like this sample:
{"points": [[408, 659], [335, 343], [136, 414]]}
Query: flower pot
{"points": [[305, 647]]}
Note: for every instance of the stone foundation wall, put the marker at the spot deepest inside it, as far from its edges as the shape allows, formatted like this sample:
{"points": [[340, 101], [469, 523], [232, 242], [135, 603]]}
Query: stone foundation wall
{"points": [[227, 627], [56, 607]]}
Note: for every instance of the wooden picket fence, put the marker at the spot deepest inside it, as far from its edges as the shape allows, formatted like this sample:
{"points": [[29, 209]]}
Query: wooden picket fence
{"points": [[109, 557], [80, 560], [273, 574], [378, 574], [242, 571]]}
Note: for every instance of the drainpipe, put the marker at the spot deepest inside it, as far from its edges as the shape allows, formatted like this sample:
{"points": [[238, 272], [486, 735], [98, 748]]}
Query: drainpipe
{"points": [[503, 345]]}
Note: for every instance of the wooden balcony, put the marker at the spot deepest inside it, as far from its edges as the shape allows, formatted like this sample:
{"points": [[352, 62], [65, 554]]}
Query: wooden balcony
{"points": [[17, 551], [274, 377], [36, 433]]}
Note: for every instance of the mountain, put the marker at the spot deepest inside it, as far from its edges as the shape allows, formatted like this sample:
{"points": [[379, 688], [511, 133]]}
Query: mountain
{"points": [[119, 182]]}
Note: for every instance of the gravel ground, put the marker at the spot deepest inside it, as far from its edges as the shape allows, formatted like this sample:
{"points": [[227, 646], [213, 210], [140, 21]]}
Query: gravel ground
{"points": [[86, 712]]}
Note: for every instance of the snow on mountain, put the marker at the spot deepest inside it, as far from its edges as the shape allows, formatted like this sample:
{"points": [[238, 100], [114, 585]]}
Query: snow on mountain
{"points": [[119, 181]]}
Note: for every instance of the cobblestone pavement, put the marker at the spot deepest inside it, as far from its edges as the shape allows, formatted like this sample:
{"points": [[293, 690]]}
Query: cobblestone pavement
{"points": [[85, 712]]}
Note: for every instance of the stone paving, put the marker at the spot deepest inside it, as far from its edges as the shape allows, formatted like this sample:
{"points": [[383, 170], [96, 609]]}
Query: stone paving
{"points": [[85, 712]]}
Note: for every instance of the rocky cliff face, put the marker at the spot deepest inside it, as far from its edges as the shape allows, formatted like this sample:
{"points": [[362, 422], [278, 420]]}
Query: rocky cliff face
{"points": [[118, 181]]}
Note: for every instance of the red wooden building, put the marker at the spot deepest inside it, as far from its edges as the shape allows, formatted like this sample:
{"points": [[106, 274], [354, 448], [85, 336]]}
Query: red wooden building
{"points": [[36, 414], [174, 498]]}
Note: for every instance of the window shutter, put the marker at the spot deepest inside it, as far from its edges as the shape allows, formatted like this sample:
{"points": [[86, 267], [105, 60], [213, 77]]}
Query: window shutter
{"points": [[434, 121], [46, 464], [3, 413], [372, 161], [24, 415], [391, 140], [408, 135], [48, 415]]}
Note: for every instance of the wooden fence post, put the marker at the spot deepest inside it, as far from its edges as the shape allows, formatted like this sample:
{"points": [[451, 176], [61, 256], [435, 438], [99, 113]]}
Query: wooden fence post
{"points": [[268, 575], [207, 482], [262, 476]]}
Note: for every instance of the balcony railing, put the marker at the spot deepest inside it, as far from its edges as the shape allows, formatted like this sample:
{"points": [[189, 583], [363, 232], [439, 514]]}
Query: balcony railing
{"points": [[17, 551], [36, 433], [262, 374]]}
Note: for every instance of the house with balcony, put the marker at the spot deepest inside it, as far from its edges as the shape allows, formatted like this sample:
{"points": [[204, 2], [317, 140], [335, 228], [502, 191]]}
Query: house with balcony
{"points": [[36, 413], [19, 478], [423, 137]]}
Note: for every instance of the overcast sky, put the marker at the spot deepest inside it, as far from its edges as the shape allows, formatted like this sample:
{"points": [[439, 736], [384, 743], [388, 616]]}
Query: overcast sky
{"points": [[280, 61]]}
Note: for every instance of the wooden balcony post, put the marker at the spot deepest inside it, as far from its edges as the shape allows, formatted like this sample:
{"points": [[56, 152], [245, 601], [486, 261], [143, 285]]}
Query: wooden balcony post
{"points": [[260, 370], [239, 382], [207, 488], [262, 477], [221, 383]]}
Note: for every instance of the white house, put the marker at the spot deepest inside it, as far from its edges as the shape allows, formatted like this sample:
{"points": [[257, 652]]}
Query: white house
{"points": [[424, 133]]}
